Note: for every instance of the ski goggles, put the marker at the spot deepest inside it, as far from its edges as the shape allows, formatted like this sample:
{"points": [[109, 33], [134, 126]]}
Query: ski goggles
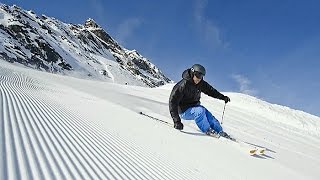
{"points": [[199, 75]]}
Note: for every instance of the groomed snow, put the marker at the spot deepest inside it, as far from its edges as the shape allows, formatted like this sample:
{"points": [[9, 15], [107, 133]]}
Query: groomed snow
{"points": [[59, 127]]}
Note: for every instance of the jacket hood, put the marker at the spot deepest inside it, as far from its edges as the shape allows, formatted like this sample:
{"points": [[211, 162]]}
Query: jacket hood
{"points": [[187, 74]]}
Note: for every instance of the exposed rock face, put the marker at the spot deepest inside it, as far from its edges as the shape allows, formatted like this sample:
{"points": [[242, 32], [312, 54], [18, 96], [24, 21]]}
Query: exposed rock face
{"points": [[48, 44]]}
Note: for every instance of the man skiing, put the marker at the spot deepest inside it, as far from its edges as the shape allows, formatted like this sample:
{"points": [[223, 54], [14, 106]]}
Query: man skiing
{"points": [[184, 102]]}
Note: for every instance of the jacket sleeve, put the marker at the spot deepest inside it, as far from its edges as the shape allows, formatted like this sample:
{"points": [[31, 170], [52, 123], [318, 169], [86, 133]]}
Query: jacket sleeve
{"points": [[174, 100], [210, 91]]}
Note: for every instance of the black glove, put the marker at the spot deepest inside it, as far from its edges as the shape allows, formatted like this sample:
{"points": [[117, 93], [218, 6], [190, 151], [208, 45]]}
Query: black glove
{"points": [[226, 99], [178, 125]]}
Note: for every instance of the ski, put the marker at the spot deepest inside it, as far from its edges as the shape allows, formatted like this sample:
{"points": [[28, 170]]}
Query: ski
{"points": [[251, 149]]}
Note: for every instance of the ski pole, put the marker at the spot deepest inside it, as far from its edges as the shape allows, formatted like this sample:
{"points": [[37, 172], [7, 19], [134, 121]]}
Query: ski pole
{"points": [[223, 112], [157, 119]]}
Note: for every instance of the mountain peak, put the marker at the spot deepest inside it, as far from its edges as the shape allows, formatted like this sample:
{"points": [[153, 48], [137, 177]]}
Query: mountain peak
{"points": [[90, 23], [86, 51]]}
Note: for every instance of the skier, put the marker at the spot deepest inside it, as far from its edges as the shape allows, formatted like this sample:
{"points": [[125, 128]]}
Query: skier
{"points": [[184, 102]]}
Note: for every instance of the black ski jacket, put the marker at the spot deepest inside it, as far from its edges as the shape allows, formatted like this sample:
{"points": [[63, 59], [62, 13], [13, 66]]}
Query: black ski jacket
{"points": [[186, 94]]}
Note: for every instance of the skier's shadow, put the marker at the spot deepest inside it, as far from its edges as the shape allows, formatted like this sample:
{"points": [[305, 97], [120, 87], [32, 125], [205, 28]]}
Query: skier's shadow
{"points": [[266, 156], [262, 156]]}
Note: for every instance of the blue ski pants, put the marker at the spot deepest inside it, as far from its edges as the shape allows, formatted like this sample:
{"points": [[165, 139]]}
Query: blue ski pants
{"points": [[203, 118]]}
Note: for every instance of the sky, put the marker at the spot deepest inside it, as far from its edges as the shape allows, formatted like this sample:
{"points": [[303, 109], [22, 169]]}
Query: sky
{"points": [[268, 49]]}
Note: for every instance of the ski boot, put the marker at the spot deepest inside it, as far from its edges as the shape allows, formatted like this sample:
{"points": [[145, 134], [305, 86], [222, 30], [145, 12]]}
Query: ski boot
{"points": [[212, 133], [225, 135]]}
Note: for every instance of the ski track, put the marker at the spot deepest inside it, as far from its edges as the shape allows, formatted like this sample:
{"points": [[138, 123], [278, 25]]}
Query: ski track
{"points": [[40, 139]]}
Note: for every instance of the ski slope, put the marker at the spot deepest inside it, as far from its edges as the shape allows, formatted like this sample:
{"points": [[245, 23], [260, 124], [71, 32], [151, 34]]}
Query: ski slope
{"points": [[59, 127]]}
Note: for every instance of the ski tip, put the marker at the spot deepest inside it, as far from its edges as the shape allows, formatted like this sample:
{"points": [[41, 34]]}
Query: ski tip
{"points": [[261, 151], [252, 152]]}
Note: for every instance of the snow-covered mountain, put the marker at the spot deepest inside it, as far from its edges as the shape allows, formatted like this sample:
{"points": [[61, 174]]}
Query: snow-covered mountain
{"points": [[86, 51], [60, 127]]}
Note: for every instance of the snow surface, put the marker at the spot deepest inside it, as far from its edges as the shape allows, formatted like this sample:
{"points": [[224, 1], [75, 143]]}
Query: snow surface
{"points": [[59, 127]]}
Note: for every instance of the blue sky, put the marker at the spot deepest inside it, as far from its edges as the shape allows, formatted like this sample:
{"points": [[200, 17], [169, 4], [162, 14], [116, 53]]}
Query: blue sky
{"points": [[269, 49]]}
